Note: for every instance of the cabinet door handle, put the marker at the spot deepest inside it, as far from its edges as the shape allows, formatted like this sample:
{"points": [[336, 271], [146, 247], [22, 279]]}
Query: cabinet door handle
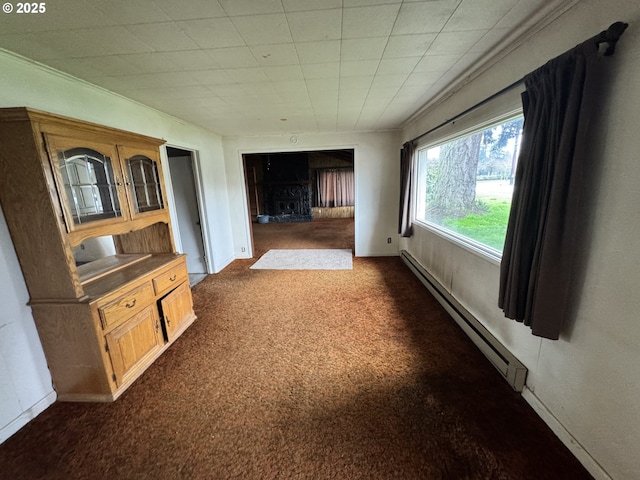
{"points": [[132, 304], [157, 327], [172, 278], [168, 321]]}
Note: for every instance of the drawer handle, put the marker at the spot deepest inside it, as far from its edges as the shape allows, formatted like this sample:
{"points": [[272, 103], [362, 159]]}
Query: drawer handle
{"points": [[132, 304], [173, 277]]}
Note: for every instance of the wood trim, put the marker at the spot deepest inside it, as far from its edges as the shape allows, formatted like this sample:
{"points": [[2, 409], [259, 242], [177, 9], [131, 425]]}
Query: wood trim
{"points": [[50, 122]]}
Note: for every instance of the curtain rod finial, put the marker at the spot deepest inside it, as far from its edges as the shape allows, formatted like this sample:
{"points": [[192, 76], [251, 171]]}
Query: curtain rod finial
{"points": [[607, 39]]}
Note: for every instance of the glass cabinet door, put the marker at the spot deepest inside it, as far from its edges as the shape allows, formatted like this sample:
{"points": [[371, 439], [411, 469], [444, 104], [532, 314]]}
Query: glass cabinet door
{"points": [[143, 178], [144, 184], [90, 185], [89, 182]]}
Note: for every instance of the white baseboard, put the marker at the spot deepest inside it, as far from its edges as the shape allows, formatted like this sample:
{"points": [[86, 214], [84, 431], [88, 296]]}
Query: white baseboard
{"points": [[26, 416], [565, 436]]}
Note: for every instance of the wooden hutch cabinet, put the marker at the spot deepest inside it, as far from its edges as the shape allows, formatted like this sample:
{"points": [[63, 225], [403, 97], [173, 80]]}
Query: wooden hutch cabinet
{"points": [[62, 182]]}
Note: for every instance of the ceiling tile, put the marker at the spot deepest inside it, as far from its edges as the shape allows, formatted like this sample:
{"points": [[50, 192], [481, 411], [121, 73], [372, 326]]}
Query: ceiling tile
{"points": [[394, 80], [262, 86], [284, 73], [319, 52], [250, 7], [424, 17], [282, 54], [408, 45], [490, 40], [65, 16], [247, 76], [165, 36], [170, 61], [455, 43], [363, 49], [212, 32], [232, 57], [322, 85], [290, 87], [408, 94], [193, 9], [142, 81], [357, 69], [356, 83], [436, 63], [321, 70], [93, 42], [115, 84], [302, 5], [31, 46], [192, 91], [206, 77], [478, 14], [90, 67], [364, 3], [520, 11], [423, 78], [228, 91], [362, 22], [382, 93], [322, 99], [126, 12], [238, 65], [349, 98], [315, 25], [263, 29], [397, 65]]}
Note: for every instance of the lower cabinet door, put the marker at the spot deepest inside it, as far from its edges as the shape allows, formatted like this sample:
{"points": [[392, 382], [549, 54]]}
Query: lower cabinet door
{"points": [[177, 308], [132, 344]]}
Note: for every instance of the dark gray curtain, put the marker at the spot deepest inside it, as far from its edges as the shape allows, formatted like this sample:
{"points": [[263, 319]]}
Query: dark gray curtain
{"points": [[551, 189], [405, 227]]}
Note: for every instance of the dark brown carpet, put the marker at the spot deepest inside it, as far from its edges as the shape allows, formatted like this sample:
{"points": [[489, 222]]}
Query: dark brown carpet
{"points": [[354, 374]]}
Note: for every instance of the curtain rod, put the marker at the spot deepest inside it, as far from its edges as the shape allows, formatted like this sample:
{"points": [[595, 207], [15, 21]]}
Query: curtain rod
{"points": [[609, 37]]}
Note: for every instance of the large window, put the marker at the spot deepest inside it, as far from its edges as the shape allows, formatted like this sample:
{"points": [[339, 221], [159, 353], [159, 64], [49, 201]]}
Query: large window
{"points": [[464, 185]]}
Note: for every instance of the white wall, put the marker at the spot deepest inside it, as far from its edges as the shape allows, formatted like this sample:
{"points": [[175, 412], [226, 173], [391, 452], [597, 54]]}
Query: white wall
{"points": [[585, 385], [25, 384], [377, 183]]}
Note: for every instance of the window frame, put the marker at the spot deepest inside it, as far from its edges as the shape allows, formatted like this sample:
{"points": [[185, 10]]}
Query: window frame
{"points": [[475, 247]]}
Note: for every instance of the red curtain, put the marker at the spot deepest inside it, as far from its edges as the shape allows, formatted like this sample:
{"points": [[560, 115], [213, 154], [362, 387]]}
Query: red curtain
{"points": [[335, 188]]}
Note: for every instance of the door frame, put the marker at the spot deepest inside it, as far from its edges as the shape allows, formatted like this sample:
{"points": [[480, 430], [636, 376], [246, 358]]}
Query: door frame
{"points": [[288, 149], [202, 208]]}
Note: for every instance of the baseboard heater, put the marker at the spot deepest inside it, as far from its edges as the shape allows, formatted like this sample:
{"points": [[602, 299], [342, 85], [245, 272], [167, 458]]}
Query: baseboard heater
{"points": [[509, 366]]}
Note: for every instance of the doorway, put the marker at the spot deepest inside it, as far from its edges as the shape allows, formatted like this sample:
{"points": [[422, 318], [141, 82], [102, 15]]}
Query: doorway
{"points": [[316, 188], [183, 181]]}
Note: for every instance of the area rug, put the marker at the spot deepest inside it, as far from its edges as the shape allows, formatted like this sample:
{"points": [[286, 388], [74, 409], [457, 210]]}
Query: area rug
{"points": [[305, 259]]}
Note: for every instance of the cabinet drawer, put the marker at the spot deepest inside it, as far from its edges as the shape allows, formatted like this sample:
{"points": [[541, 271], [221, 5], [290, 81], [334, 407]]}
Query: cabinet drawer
{"points": [[127, 305], [170, 279]]}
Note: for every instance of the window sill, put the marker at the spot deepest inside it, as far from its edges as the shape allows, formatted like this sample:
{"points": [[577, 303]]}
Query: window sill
{"points": [[486, 253]]}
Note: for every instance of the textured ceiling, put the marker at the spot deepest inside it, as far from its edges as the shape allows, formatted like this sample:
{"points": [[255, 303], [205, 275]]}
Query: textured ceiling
{"points": [[244, 67]]}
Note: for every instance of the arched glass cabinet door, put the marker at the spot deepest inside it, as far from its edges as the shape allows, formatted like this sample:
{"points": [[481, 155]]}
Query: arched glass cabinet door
{"points": [[143, 179], [89, 182], [144, 184], [90, 185]]}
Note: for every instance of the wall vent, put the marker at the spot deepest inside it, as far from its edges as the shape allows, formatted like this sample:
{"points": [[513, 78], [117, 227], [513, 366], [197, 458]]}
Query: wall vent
{"points": [[508, 365]]}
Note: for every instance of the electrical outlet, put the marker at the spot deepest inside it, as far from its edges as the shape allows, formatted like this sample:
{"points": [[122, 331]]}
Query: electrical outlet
{"points": [[243, 249], [388, 239]]}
